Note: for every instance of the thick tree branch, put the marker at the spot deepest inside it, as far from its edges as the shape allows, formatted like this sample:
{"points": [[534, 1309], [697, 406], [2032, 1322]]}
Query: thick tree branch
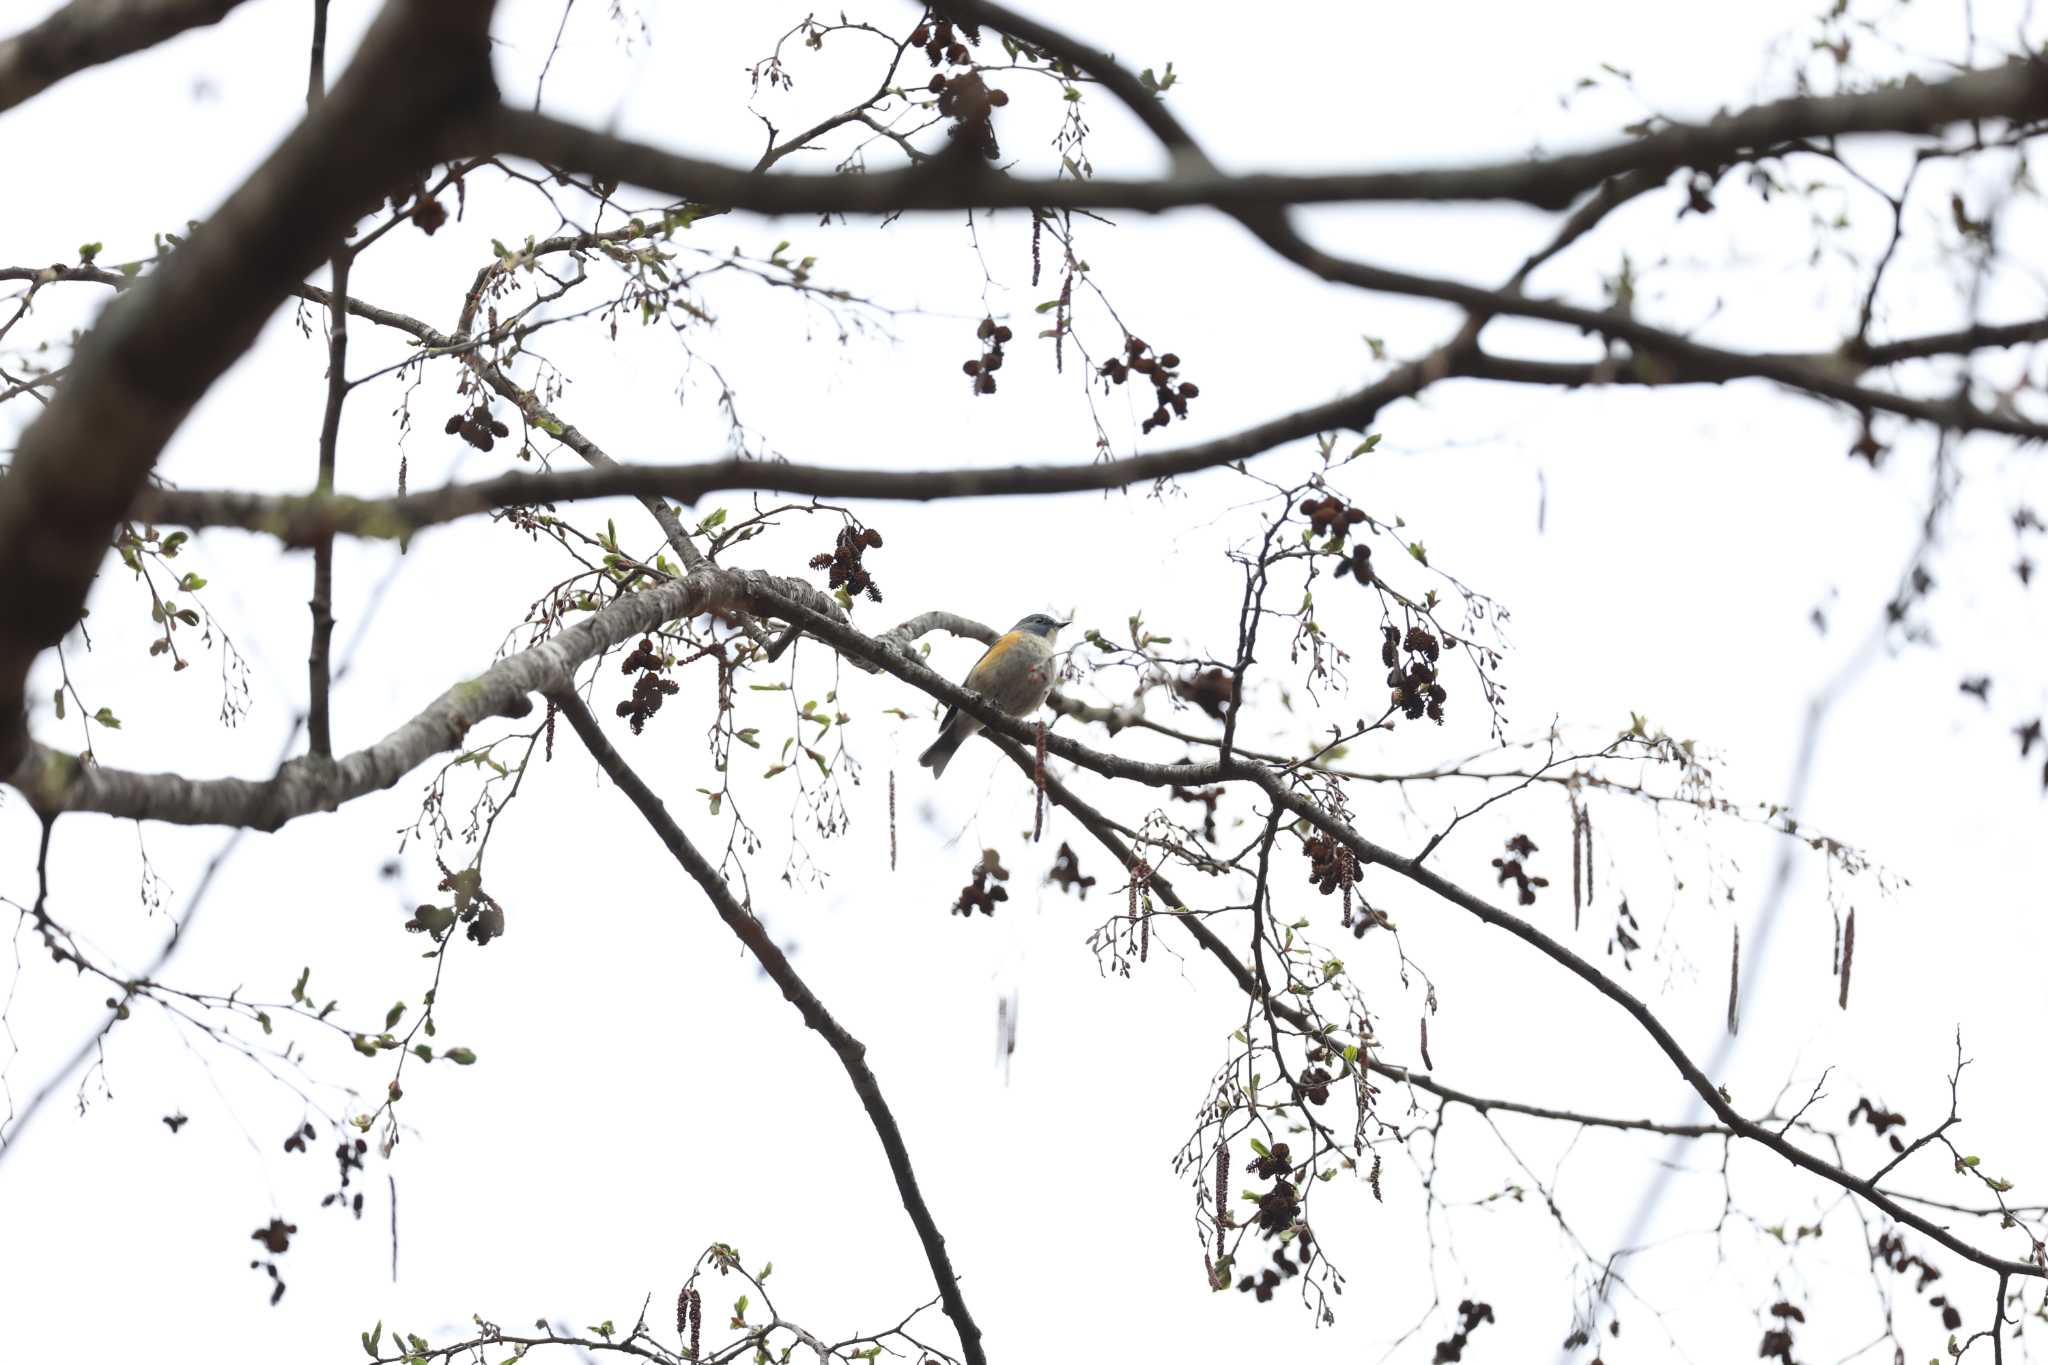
{"points": [[55, 782], [851, 1052], [2016, 92], [162, 344], [87, 33]]}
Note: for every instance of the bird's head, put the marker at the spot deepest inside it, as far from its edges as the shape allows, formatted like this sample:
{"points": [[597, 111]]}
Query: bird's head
{"points": [[1038, 623]]}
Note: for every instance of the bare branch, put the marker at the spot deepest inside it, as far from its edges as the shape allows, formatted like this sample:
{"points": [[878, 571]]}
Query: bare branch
{"points": [[319, 738], [2016, 92], [55, 782], [851, 1052], [303, 520], [86, 33]]}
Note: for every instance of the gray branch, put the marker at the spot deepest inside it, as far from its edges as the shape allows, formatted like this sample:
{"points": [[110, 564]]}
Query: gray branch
{"points": [[55, 782]]}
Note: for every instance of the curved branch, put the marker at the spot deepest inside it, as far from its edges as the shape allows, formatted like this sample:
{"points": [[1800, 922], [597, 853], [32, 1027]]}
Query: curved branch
{"points": [[851, 1052], [55, 782]]}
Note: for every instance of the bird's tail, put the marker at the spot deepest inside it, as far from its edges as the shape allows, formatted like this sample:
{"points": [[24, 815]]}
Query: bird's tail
{"points": [[956, 731]]}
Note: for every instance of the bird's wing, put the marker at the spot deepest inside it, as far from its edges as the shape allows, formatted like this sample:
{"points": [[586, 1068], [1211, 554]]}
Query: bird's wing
{"points": [[977, 676]]}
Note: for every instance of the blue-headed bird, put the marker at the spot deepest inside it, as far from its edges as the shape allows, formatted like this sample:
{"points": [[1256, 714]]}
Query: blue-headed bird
{"points": [[1016, 674]]}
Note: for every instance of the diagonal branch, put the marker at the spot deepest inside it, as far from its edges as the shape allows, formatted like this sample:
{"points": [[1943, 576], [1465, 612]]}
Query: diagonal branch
{"points": [[851, 1052], [87, 33], [1105, 834]]}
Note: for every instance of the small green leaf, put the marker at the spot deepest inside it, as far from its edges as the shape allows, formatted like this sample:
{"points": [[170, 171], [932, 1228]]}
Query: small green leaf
{"points": [[371, 1339], [392, 1015], [106, 717], [461, 1056]]}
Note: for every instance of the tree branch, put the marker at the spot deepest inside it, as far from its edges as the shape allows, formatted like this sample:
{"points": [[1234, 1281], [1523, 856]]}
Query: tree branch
{"points": [[303, 520], [852, 643], [87, 33], [851, 1052], [55, 782], [1105, 834], [162, 344], [320, 740], [2015, 92]]}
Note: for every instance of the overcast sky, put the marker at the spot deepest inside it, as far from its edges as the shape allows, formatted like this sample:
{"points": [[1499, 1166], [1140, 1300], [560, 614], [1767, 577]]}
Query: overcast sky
{"points": [[642, 1091]]}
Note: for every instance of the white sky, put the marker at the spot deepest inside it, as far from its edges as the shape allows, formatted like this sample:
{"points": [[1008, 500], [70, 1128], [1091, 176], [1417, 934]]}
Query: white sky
{"points": [[642, 1091]]}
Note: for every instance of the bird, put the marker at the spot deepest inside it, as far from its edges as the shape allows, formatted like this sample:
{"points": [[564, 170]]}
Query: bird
{"points": [[1016, 674]]}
